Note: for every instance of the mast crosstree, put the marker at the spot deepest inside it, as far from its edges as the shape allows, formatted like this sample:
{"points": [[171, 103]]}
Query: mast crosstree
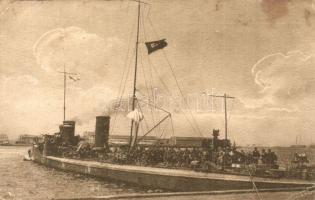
{"points": [[65, 73], [225, 97]]}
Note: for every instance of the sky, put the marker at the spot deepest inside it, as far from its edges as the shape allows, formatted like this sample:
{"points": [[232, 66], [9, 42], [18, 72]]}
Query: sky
{"points": [[259, 51]]}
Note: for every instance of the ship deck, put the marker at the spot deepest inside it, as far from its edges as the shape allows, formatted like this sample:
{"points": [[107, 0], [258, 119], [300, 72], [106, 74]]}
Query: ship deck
{"points": [[178, 172]]}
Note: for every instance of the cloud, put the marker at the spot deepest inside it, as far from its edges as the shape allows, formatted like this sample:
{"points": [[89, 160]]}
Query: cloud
{"points": [[285, 81], [25, 106], [25, 84], [40, 98], [84, 53], [75, 48], [86, 104], [36, 109], [283, 105]]}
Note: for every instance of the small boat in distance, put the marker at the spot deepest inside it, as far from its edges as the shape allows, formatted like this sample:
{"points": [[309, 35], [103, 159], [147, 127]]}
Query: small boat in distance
{"points": [[297, 144]]}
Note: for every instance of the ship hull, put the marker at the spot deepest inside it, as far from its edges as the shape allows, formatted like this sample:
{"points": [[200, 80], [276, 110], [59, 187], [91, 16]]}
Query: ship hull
{"points": [[167, 179]]}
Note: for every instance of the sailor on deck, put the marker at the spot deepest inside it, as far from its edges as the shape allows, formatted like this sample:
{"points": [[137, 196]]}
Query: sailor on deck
{"points": [[256, 156]]}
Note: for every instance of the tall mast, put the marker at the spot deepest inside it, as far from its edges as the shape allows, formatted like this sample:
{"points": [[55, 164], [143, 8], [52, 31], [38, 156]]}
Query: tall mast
{"points": [[65, 73], [135, 74], [225, 96], [225, 117], [64, 92]]}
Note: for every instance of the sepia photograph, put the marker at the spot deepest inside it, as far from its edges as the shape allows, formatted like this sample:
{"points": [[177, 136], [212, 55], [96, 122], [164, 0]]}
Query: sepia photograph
{"points": [[157, 99]]}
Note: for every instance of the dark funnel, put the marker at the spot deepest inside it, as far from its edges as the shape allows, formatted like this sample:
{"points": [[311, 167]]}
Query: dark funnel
{"points": [[102, 131]]}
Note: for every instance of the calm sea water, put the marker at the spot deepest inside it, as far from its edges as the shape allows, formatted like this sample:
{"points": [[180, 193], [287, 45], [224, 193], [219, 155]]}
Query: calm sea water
{"points": [[26, 180]]}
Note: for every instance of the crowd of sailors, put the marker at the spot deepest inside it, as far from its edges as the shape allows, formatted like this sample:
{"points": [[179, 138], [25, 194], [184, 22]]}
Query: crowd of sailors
{"points": [[176, 157], [190, 157]]}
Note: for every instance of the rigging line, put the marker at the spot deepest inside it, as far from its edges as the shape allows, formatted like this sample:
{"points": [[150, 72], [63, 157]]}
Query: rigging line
{"points": [[141, 129], [231, 110], [254, 184], [125, 67], [159, 108], [160, 122], [144, 76], [145, 37], [151, 63], [167, 60], [166, 125], [173, 133], [121, 82], [148, 90], [160, 79], [150, 71], [163, 130], [149, 5], [183, 114], [154, 123], [151, 78], [145, 121], [120, 99], [134, 97], [122, 89], [190, 123], [229, 114], [194, 129], [181, 92], [145, 82], [155, 32], [128, 51], [158, 125], [300, 195]]}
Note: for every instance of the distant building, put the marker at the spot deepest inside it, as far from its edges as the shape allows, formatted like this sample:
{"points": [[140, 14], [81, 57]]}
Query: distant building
{"points": [[187, 141], [89, 136], [29, 139], [124, 139], [4, 139]]}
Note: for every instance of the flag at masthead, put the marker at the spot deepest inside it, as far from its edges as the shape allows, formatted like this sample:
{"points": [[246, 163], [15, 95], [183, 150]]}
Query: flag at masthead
{"points": [[155, 45]]}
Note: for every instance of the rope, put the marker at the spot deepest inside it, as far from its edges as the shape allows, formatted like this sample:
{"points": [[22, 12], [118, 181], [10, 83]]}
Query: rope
{"points": [[151, 76], [151, 65], [159, 122], [177, 83], [230, 113], [127, 74], [181, 92], [303, 195], [254, 184], [143, 116], [172, 127], [158, 75], [232, 107], [120, 99]]}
